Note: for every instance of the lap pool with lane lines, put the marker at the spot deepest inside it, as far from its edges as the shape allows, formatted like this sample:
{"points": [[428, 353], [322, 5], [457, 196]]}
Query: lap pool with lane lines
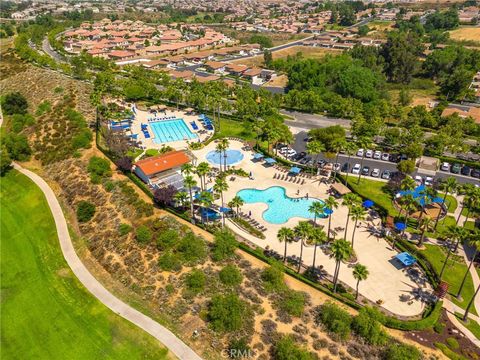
{"points": [[171, 130], [281, 208]]}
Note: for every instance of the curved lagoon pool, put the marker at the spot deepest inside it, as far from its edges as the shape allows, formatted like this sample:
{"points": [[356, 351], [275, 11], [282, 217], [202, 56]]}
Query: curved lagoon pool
{"points": [[281, 208], [216, 158]]}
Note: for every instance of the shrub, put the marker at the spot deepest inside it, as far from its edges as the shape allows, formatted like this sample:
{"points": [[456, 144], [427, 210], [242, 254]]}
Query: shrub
{"points": [[143, 235], [85, 211], [5, 162], [195, 281], [273, 277], [287, 349], [402, 352], [124, 229], [19, 121], [98, 168], [439, 327], [43, 107], [170, 289], [14, 103], [169, 262], [335, 319], [369, 328], [452, 343], [192, 248], [17, 146], [239, 348], [224, 246], [230, 276], [227, 313], [167, 239], [293, 302]]}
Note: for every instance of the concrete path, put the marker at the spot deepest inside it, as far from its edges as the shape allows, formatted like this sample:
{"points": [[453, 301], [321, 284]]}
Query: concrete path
{"points": [[165, 336], [451, 308]]}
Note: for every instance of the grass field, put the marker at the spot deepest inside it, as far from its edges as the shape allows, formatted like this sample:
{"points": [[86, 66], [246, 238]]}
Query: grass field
{"points": [[45, 311], [234, 128], [244, 36], [466, 33], [471, 325]]}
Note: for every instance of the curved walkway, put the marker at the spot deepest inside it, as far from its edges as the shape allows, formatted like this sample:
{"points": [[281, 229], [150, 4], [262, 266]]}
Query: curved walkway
{"points": [[165, 336]]}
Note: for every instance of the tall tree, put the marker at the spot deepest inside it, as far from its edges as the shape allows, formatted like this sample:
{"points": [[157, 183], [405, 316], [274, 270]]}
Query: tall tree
{"points": [[358, 212], [190, 183], [202, 170], [360, 273], [448, 186], [285, 235], [317, 237], [474, 242], [331, 204], [316, 208], [220, 187], [341, 250], [303, 230], [350, 200]]}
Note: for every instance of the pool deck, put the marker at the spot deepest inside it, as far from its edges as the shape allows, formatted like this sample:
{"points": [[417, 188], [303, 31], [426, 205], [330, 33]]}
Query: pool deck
{"points": [[141, 117], [386, 282]]}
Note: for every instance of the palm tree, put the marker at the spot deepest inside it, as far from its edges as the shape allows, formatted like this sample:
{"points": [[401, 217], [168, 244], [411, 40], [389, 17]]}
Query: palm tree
{"points": [[475, 243], [187, 169], [341, 251], [426, 195], [360, 273], [350, 148], [315, 147], [467, 190], [425, 224], [180, 197], [225, 144], [454, 234], [358, 212], [220, 150], [337, 146], [206, 200], [331, 204], [190, 183], [349, 200], [470, 303], [285, 235], [408, 204], [316, 208], [202, 170], [303, 231], [363, 143], [318, 237], [473, 202], [449, 186], [219, 187], [236, 202]]}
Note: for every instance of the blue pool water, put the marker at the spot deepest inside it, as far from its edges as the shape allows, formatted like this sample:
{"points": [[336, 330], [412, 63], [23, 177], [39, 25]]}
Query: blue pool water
{"points": [[233, 157], [171, 130], [280, 207]]}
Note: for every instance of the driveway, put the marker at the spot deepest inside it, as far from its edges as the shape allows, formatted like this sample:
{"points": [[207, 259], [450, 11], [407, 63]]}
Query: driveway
{"points": [[165, 336]]}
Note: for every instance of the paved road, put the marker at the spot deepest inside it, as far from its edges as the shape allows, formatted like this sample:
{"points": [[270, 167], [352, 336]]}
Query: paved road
{"points": [[165, 336], [47, 49], [300, 145]]}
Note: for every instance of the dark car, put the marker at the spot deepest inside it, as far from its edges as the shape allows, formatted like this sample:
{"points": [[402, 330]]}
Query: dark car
{"points": [[475, 173], [394, 158], [456, 168], [305, 159], [321, 163], [365, 170], [346, 167], [466, 170]]}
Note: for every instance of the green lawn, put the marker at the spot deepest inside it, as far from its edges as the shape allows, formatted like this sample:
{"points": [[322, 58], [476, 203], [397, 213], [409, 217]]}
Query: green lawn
{"points": [[374, 190], [235, 129], [453, 274], [471, 325], [45, 312], [451, 203]]}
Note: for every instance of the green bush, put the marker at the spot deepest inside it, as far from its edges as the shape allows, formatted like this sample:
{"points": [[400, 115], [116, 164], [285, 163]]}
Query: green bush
{"points": [[452, 343], [439, 327], [170, 289], [287, 349], [43, 107], [124, 229], [292, 302], [273, 277], [85, 211], [170, 262], [192, 249], [449, 353], [17, 146], [5, 162], [98, 169], [369, 328], [195, 281], [224, 245], [19, 121], [402, 352], [14, 103], [238, 348], [143, 234], [230, 275], [335, 319], [167, 239], [227, 313]]}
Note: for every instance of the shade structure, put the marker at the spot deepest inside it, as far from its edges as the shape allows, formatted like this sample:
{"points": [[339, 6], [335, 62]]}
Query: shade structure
{"points": [[418, 195], [295, 170], [368, 204], [270, 161], [400, 226], [224, 209], [258, 156], [406, 259], [328, 211]]}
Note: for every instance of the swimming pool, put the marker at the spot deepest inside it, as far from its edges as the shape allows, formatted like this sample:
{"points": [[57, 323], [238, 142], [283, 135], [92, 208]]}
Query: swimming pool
{"points": [[171, 130], [281, 208], [233, 157]]}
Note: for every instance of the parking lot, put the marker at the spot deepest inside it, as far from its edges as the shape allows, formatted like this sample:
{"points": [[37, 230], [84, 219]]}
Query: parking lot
{"points": [[300, 146]]}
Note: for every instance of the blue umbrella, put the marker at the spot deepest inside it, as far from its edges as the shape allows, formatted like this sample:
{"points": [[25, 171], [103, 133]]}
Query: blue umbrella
{"points": [[400, 226], [368, 203], [328, 211], [224, 209]]}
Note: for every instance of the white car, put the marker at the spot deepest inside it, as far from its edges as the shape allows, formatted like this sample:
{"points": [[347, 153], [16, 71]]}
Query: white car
{"points": [[445, 166], [377, 155], [356, 169], [284, 150], [375, 172], [290, 153], [429, 181], [385, 156], [418, 180], [336, 167], [369, 153], [360, 152]]}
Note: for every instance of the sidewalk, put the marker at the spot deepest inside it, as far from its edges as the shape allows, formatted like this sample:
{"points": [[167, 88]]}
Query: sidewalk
{"points": [[451, 309]]}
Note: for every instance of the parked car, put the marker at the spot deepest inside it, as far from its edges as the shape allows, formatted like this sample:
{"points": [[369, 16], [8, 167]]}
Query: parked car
{"points": [[366, 170], [445, 166], [305, 160], [475, 173], [466, 170], [385, 156], [428, 181], [418, 179], [394, 158], [360, 152], [291, 153], [386, 175], [455, 169], [345, 167], [375, 172], [336, 167], [377, 155], [283, 149], [356, 169], [369, 153], [321, 162]]}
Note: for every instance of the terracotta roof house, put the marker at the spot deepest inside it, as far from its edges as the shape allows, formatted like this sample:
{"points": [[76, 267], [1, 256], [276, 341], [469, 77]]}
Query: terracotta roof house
{"points": [[121, 54], [157, 169], [471, 111], [235, 69], [215, 66]]}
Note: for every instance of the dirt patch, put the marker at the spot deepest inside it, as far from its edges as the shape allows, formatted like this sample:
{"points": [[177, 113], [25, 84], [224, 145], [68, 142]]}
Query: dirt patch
{"points": [[468, 33]]}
